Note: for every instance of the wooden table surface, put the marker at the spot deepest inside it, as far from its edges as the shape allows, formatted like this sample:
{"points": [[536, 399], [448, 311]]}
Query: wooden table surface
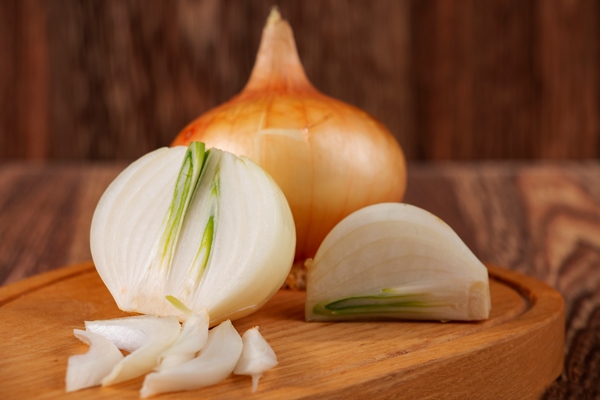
{"points": [[540, 219]]}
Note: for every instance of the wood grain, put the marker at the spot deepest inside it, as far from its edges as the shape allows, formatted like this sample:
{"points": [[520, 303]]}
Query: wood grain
{"points": [[46, 215], [453, 80], [517, 351], [541, 219]]}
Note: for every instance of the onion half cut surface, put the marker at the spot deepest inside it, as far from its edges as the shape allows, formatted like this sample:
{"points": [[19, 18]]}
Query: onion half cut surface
{"points": [[204, 226]]}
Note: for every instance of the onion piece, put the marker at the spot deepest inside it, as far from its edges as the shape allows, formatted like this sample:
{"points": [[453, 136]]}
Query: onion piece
{"points": [[207, 227], [190, 341], [146, 337], [257, 356], [214, 364], [395, 260], [87, 370]]}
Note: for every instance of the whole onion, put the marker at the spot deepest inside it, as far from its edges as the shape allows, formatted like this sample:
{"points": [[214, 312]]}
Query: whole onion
{"points": [[329, 158]]}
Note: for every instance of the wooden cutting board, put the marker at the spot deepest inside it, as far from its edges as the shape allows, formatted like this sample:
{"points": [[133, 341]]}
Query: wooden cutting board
{"points": [[514, 354]]}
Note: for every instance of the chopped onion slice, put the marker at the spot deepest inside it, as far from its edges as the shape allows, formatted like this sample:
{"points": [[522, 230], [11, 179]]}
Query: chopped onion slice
{"points": [[87, 370], [214, 364], [395, 260], [257, 356], [146, 337], [190, 341]]}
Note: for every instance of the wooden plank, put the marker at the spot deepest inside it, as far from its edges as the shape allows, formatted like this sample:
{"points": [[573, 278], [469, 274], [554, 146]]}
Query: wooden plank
{"points": [[500, 79], [569, 70], [517, 351], [475, 95], [10, 143], [32, 97], [45, 215]]}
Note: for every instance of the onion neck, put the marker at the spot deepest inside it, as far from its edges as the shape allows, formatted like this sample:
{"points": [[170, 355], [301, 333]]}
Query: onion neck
{"points": [[278, 67]]}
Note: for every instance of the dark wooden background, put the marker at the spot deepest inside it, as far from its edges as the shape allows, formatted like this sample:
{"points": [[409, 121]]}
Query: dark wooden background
{"points": [[452, 79]]}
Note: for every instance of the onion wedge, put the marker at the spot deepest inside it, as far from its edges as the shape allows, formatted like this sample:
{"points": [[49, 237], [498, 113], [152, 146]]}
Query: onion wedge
{"points": [[398, 261]]}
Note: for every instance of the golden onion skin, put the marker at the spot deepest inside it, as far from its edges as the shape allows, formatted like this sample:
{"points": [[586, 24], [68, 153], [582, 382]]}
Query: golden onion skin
{"points": [[329, 158]]}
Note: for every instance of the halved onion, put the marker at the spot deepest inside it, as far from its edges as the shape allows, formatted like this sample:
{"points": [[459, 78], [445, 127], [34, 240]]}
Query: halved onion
{"points": [[205, 226]]}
